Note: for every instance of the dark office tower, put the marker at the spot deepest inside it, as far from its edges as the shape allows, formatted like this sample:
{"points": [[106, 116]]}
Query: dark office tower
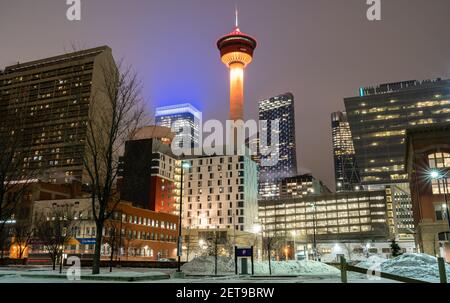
{"points": [[277, 108], [149, 172], [379, 118], [55, 98], [345, 169], [184, 120]]}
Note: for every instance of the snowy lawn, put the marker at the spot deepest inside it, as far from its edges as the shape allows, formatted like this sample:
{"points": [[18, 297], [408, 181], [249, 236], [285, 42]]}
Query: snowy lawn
{"points": [[417, 266], [86, 274], [226, 266]]}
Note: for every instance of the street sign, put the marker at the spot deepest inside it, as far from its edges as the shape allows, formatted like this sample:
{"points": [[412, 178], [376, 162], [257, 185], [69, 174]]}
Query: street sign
{"points": [[244, 252], [86, 240]]}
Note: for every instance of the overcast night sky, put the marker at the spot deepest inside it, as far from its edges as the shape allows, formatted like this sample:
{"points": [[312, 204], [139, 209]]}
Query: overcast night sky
{"points": [[320, 50]]}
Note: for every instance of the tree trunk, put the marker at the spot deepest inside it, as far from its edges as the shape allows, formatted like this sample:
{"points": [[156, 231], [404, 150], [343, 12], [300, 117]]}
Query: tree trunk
{"points": [[54, 262], [97, 251], [270, 261], [112, 256]]}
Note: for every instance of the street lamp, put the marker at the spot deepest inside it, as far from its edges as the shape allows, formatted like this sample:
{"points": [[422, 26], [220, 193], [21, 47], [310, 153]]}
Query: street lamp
{"points": [[294, 233], [313, 205], [184, 165], [257, 228], [437, 175]]}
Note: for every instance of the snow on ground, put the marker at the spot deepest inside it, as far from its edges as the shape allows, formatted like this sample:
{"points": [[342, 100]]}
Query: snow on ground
{"points": [[371, 261], [225, 265], [417, 266]]}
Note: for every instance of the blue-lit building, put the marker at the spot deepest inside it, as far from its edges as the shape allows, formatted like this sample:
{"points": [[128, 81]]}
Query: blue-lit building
{"points": [[184, 120], [277, 108]]}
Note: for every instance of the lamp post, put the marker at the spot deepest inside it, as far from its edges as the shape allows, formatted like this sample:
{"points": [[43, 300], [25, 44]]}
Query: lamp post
{"points": [[313, 205], [294, 233], [257, 228], [437, 175], [184, 165]]}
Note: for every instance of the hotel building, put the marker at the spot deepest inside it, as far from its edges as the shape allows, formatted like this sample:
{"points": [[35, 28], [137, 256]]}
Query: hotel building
{"points": [[220, 192]]}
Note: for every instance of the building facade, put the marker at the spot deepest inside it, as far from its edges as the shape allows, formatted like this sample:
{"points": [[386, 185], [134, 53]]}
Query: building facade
{"points": [[54, 97], [378, 120], [345, 168], [139, 234], [220, 192], [149, 174], [185, 121], [300, 186], [331, 217], [428, 151], [279, 108]]}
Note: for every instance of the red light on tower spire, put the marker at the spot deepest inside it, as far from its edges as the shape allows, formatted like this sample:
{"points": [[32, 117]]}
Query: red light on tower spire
{"points": [[236, 51]]}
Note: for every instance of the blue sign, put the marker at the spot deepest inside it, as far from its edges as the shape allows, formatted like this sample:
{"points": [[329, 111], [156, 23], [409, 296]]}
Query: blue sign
{"points": [[244, 252], [86, 240]]}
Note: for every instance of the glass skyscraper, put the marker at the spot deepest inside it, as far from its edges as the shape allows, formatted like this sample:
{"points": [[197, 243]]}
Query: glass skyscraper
{"points": [[379, 118], [184, 120], [278, 108], [345, 168]]}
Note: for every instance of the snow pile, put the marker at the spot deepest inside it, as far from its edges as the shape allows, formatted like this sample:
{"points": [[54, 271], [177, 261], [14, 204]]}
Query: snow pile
{"points": [[371, 261], [205, 265], [225, 265], [304, 267], [417, 266]]}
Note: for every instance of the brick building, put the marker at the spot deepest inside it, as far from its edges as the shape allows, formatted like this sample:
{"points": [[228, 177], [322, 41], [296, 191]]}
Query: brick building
{"points": [[139, 234], [428, 150]]}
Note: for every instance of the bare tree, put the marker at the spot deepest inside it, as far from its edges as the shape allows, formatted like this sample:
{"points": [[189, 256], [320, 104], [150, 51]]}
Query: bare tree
{"points": [[22, 236], [17, 168], [116, 112], [54, 229], [113, 237], [273, 243]]}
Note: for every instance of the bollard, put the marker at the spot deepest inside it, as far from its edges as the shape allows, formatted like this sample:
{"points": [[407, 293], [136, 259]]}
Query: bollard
{"points": [[343, 270], [442, 272]]}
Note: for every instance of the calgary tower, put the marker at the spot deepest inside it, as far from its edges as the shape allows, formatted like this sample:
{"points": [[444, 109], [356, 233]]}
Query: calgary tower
{"points": [[236, 51]]}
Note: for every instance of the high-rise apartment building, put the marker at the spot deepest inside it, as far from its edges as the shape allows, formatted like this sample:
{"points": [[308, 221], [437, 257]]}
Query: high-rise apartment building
{"points": [[184, 120], [345, 169], [55, 98], [379, 118], [279, 108], [220, 192]]}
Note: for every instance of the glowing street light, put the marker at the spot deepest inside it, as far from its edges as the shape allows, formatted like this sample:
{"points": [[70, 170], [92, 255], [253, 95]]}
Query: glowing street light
{"points": [[437, 175]]}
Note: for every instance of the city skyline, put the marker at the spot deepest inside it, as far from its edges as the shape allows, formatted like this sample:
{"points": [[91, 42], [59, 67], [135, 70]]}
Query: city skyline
{"points": [[315, 76]]}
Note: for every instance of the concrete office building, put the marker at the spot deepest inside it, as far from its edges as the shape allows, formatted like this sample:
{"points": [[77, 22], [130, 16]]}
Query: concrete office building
{"points": [[149, 174], [334, 221], [378, 120], [55, 98]]}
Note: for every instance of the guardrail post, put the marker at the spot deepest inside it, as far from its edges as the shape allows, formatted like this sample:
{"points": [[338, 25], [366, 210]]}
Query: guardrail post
{"points": [[442, 271], [343, 270]]}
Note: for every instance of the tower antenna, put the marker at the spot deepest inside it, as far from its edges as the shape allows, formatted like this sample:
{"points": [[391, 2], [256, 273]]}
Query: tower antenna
{"points": [[237, 15]]}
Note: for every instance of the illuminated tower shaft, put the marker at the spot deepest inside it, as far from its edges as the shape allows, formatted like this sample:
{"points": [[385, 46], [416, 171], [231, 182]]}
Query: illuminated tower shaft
{"points": [[236, 91]]}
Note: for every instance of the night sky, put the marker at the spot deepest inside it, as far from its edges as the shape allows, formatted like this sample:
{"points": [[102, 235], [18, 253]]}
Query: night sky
{"points": [[320, 50]]}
